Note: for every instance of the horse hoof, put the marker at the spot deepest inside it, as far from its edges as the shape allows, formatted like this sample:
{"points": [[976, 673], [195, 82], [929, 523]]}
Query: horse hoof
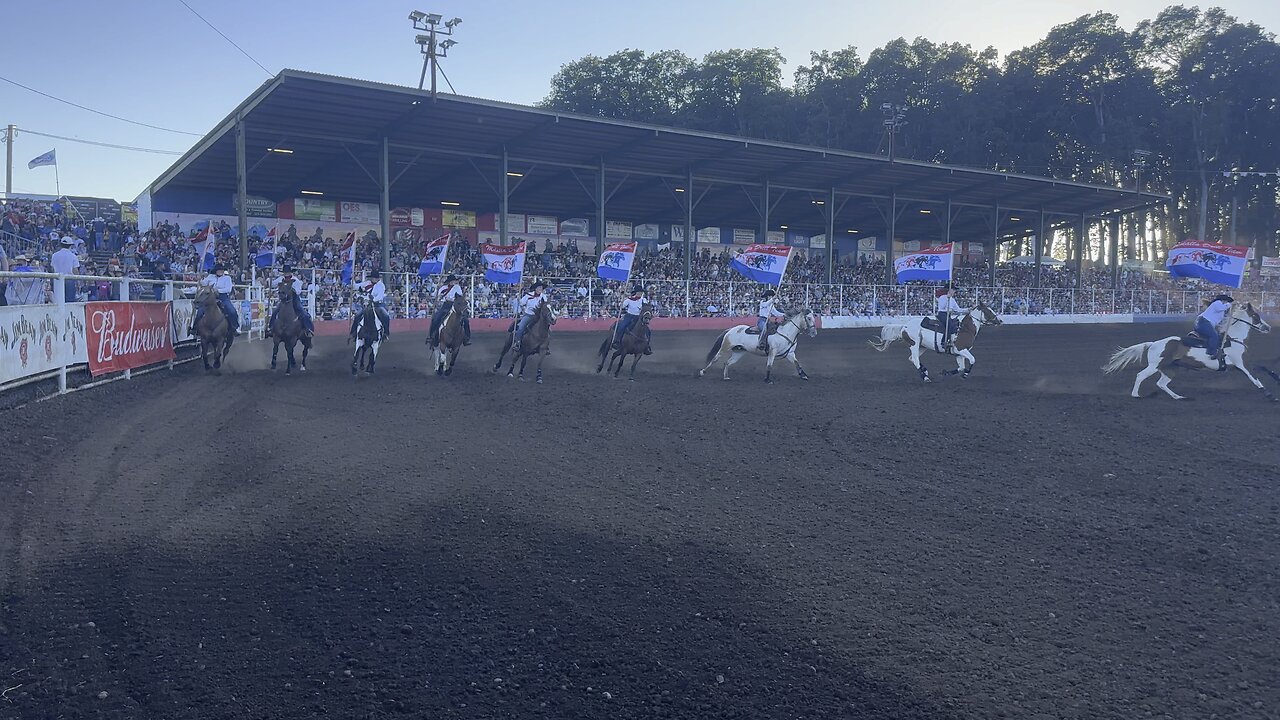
{"points": [[448, 372], [303, 368], [701, 373], [804, 377], [511, 375], [439, 372], [539, 381], [273, 366], [288, 372], [521, 378]]}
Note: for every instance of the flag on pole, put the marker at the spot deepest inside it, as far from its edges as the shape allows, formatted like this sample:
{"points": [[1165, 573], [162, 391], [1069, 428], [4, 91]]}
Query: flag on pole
{"points": [[266, 256], [1222, 264], [503, 265], [929, 264], [763, 263], [348, 255], [433, 257], [205, 243], [49, 158], [615, 262]]}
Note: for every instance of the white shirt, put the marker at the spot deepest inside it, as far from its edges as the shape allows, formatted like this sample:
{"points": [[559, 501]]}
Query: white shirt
{"points": [[297, 284], [65, 261], [767, 308], [946, 303], [449, 293], [377, 291], [633, 306], [1216, 312], [221, 284], [530, 303]]}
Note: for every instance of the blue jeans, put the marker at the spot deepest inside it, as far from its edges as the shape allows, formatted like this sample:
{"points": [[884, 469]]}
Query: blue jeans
{"points": [[1213, 340], [301, 311], [224, 302], [944, 322], [522, 326], [624, 325]]}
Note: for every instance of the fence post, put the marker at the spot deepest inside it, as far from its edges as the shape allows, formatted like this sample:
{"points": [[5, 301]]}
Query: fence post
{"points": [[591, 289], [168, 288], [875, 300], [732, 310], [124, 297], [1050, 298]]}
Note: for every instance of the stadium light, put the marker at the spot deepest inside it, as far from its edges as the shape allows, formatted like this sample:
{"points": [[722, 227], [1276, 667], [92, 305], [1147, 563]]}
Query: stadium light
{"points": [[310, 192], [851, 231], [515, 174], [282, 151], [679, 189], [431, 48], [895, 116], [450, 203], [926, 212], [784, 227]]}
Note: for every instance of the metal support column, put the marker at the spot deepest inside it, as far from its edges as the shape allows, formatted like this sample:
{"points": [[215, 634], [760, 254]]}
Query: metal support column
{"points": [[764, 212], [504, 198], [995, 245], [690, 242], [600, 219], [385, 209], [1115, 252], [1037, 250], [242, 192], [1080, 245], [946, 229], [831, 235], [890, 277], [8, 155]]}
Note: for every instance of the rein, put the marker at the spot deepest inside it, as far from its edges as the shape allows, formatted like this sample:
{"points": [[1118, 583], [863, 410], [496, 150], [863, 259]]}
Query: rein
{"points": [[790, 321]]}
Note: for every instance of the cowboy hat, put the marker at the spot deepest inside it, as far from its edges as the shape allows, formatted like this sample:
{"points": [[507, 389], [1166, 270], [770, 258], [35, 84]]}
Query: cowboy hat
{"points": [[452, 278], [374, 274], [536, 285], [1224, 298], [287, 269]]}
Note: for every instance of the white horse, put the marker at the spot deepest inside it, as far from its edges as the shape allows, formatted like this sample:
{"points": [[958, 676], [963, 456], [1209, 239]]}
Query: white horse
{"points": [[1163, 355], [918, 337], [736, 342]]}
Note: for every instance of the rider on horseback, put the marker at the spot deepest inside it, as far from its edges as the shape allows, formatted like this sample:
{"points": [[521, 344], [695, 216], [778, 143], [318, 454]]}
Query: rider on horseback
{"points": [[287, 278], [221, 284], [946, 305], [1212, 325], [448, 293], [768, 310], [377, 291], [632, 307], [528, 309]]}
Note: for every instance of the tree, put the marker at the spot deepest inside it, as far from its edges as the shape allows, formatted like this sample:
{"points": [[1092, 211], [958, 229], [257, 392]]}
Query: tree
{"points": [[627, 85]]}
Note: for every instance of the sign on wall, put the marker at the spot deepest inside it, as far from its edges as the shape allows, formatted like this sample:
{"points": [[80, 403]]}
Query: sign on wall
{"points": [[458, 218], [123, 335], [709, 235], [257, 207], [744, 236], [617, 230], [366, 213], [309, 209], [515, 223], [575, 227], [647, 231], [542, 225], [39, 338]]}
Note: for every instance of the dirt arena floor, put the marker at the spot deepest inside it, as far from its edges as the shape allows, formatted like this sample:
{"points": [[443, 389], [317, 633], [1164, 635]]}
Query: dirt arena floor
{"points": [[1027, 543]]}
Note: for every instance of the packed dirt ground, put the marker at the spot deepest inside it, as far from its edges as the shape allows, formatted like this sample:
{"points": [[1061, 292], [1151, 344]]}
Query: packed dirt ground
{"points": [[1026, 543]]}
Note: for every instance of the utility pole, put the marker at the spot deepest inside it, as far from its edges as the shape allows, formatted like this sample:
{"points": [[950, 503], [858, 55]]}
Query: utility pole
{"points": [[8, 155]]}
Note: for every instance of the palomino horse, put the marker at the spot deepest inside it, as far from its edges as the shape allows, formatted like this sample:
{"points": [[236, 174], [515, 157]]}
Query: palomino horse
{"points": [[635, 342], [736, 342], [368, 340], [1163, 355], [213, 330], [536, 341], [919, 337], [449, 339], [287, 329]]}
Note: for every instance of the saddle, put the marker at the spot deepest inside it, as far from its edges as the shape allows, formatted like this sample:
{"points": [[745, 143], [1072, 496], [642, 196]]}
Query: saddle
{"points": [[770, 328], [1193, 340], [931, 323]]}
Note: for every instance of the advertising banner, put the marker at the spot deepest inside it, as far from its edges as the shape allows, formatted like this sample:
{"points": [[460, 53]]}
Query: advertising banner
{"points": [[1271, 266], [617, 230], [709, 235], [649, 231], [408, 217], [743, 236], [515, 223], [308, 209], [364, 213], [256, 207], [124, 335], [39, 338], [543, 225], [575, 227], [129, 212], [184, 311]]}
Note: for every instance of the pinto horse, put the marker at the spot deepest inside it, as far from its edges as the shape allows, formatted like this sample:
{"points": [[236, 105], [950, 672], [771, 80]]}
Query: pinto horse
{"points": [[1161, 356], [536, 341], [449, 339], [736, 342], [287, 330], [919, 337], [633, 343], [368, 340], [213, 330]]}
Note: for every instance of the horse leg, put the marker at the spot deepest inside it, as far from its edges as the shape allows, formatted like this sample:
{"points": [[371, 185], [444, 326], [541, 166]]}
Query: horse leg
{"points": [[357, 360], [1237, 359], [1153, 367], [542, 355], [604, 355], [621, 357], [204, 354], [768, 367], [275, 349], [796, 362], [715, 359], [1163, 384], [373, 356], [524, 360], [915, 360], [733, 358], [288, 351], [306, 350], [634, 363]]}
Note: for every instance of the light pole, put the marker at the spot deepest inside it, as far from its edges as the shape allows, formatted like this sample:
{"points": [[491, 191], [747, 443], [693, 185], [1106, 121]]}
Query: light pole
{"points": [[433, 49], [895, 116], [1140, 164]]}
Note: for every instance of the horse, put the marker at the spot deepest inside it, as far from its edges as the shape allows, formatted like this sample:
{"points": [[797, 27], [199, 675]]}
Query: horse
{"points": [[633, 343], [918, 336], [536, 341], [213, 329], [449, 339], [287, 329], [1163, 355], [736, 342], [368, 340]]}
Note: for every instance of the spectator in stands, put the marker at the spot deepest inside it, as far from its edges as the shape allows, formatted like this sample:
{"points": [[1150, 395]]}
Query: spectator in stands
{"points": [[25, 292], [65, 262]]}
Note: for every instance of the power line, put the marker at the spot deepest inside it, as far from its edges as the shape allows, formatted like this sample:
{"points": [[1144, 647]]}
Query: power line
{"points": [[224, 37], [98, 112], [102, 144]]}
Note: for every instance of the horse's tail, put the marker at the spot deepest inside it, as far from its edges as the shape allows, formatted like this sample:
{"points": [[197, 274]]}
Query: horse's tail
{"points": [[888, 334], [715, 349], [1125, 357]]}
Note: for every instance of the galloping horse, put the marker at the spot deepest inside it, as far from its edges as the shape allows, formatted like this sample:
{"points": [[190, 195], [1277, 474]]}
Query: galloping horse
{"points": [[917, 336], [368, 339], [536, 341], [736, 342], [213, 330], [1163, 355], [287, 329], [633, 343], [449, 339]]}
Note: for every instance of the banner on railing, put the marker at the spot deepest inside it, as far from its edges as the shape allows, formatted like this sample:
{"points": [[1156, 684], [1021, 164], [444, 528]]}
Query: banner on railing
{"points": [[124, 335], [40, 338]]}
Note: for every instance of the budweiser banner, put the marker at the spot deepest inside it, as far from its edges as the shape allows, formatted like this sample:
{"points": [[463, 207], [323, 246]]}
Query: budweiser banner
{"points": [[123, 335], [39, 338]]}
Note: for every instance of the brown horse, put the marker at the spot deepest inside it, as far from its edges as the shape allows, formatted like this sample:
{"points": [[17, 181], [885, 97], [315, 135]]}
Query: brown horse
{"points": [[213, 330], [287, 329], [536, 341], [450, 337], [635, 342]]}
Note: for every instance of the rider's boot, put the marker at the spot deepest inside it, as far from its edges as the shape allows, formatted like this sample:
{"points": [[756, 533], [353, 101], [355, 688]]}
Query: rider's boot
{"points": [[1222, 361]]}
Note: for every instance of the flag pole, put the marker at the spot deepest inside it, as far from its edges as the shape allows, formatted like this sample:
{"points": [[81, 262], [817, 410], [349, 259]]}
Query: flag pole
{"points": [[57, 182]]}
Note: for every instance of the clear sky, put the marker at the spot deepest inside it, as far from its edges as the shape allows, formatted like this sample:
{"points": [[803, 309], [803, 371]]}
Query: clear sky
{"points": [[154, 61]]}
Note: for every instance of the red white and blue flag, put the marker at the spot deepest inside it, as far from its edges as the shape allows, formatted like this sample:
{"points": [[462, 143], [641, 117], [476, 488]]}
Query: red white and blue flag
{"points": [[929, 264], [266, 256], [205, 242], [434, 256], [616, 260], [763, 263], [503, 265], [347, 253], [1222, 264]]}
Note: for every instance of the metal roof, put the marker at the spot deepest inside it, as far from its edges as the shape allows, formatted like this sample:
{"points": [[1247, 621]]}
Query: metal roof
{"points": [[450, 149]]}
